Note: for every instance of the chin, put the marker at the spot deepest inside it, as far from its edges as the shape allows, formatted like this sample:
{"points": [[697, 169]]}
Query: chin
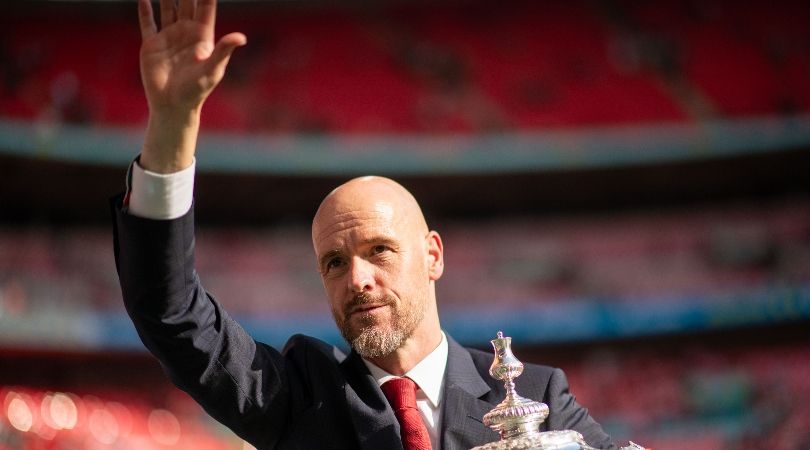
{"points": [[377, 341]]}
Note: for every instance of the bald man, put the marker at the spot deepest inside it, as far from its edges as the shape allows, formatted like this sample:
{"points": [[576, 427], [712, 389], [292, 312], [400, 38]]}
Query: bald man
{"points": [[379, 263]]}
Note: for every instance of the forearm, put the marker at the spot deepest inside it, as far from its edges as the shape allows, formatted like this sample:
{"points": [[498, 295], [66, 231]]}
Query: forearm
{"points": [[155, 262]]}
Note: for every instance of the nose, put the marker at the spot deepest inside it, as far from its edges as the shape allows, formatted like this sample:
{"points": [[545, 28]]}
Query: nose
{"points": [[361, 275]]}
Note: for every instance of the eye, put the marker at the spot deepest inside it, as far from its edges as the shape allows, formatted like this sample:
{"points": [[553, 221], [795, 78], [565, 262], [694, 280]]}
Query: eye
{"points": [[377, 249], [333, 263]]}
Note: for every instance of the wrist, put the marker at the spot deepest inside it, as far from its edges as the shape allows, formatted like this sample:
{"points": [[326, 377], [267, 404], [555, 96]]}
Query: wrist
{"points": [[173, 118], [170, 141]]}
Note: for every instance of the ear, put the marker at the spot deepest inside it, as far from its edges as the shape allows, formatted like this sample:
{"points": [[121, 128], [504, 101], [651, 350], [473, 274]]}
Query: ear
{"points": [[435, 254]]}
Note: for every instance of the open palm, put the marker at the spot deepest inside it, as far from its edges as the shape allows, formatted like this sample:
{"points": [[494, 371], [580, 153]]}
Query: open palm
{"points": [[180, 64]]}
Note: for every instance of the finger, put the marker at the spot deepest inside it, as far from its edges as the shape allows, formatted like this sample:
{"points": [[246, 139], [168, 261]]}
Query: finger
{"points": [[167, 13], [185, 9], [206, 12], [222, 52], [146, 19]]}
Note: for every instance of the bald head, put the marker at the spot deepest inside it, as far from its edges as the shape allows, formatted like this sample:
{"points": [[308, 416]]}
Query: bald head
{"points": [[366, 197]]}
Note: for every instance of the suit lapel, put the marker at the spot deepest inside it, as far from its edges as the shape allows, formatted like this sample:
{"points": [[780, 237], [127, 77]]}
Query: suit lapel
{"points": [[374, 421], [463, 411]]}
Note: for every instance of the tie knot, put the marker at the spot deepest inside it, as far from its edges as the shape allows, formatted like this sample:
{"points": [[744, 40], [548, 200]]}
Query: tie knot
{"points": [[400, 392]]}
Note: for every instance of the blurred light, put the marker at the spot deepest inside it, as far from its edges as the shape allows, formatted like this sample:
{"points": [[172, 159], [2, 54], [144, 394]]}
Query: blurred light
{"points": [[81, 411], [63, 411], [45, 411], [18, 412], [164, 427], [103, 426], [247, 446]]}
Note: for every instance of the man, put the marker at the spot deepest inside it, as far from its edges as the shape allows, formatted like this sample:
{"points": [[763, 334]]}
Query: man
{"points": [[379, 262]]}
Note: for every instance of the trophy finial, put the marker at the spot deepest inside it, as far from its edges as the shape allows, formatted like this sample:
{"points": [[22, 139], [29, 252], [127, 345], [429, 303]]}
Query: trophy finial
{"points": [[505, 366]]}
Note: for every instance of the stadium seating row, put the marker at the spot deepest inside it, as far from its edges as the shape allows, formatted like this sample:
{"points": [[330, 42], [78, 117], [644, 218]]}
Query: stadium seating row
{"points": [[605, 258], [457, 67]]}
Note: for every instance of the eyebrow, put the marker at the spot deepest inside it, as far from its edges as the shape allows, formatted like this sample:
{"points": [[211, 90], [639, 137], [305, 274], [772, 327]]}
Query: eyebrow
{"points": [[372, 240], [379, 240]]}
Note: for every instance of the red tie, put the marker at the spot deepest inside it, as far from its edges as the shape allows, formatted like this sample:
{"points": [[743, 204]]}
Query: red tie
{"points": [[401, 394]]}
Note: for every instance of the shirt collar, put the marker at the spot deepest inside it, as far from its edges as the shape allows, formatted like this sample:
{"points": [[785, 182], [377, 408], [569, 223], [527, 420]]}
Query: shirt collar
{"points": [[428, 374]]}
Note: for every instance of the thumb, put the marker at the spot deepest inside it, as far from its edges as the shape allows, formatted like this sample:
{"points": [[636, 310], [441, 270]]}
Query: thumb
{"points": [[222, 52]]}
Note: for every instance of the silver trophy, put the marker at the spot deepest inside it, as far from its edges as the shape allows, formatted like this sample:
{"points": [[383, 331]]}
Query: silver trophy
{"points": [[517, 419]]}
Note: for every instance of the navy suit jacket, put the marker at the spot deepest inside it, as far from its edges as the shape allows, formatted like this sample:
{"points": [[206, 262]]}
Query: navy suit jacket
{"points": [[308, 396]]}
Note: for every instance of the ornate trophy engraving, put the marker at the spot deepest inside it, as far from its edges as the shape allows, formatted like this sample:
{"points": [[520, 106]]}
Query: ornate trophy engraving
{"points": [[517, 419]]}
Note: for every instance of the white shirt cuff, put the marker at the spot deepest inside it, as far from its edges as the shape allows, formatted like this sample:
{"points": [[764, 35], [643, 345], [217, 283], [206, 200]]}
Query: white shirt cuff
{"points": [[161, 196]]}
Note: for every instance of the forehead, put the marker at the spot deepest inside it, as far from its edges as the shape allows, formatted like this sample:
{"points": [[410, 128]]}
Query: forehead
{"points": [[343, 224]]}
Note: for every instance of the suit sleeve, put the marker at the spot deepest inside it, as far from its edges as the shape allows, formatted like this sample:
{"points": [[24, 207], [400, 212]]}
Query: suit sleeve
{"points": [[240, 382], [567, 414]]}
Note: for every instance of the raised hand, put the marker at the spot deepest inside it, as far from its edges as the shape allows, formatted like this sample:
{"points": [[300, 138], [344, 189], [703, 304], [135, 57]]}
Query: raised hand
{"points": [[180, 66]]}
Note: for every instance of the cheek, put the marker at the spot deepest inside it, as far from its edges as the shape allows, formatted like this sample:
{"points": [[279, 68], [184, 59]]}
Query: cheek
{"points": [[336, 308], [416, 267], [333, 292], [409, 277]]}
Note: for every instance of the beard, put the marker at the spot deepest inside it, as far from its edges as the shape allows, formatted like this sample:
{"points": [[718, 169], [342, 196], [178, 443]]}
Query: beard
{"points": [[376, 337]]}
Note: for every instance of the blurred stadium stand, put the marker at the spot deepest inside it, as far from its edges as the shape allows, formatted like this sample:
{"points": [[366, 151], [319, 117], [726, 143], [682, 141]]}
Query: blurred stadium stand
{"points": [[621, 186], [464, 67]]}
